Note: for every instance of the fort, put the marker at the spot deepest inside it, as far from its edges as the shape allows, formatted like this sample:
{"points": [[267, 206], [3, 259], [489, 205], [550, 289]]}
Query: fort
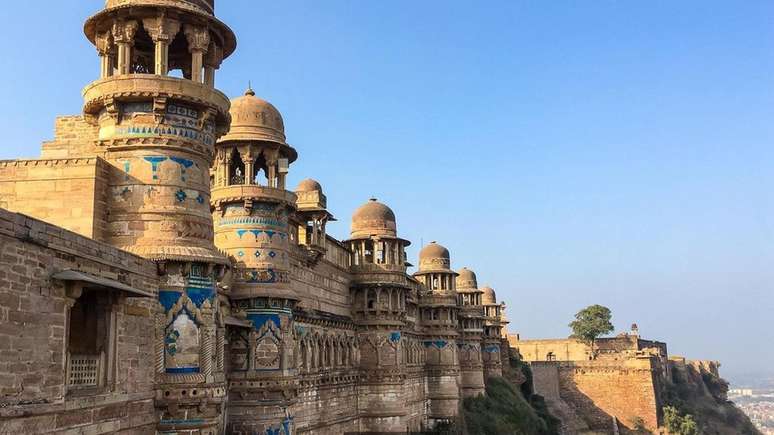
{"points": [[159, 276]]}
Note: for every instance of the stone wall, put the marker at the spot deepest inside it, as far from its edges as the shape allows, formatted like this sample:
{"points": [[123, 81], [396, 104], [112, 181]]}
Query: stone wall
{"points": [[599, 390], [34, 312], [67, 192], [73, 137]]}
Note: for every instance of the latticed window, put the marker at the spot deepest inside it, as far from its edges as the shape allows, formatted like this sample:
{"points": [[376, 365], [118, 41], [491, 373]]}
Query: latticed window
{"points": [[84, 370]]}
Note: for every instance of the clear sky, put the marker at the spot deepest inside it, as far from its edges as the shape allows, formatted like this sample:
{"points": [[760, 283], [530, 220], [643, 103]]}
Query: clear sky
{"points": [[571, 153]]}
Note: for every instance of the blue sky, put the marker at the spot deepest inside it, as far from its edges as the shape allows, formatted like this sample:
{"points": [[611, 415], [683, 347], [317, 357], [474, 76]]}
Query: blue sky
{"points": [[569, 152]]}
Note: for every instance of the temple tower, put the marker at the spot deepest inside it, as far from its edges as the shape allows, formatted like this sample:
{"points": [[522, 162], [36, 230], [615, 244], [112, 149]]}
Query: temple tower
{"points": [[251, 211], [472, 327], [379, 289], [159, 115], [439, 314], [492, 340]]}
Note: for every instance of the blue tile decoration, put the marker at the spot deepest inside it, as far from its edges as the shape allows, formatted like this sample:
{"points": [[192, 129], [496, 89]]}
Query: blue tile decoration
{"points": [[155, 161], [184, 164], [395, 337], [170, 342], [257, 254], [440, 344], [252, 220], [256, 233], [260, 319], [200, 282], [199, 198], [270, 234], [180, 195], [272, 254], [199, 295], [168, 299], [492, 349], [241, 253], [262, 277], [127, 167], [241, 233], [182, 370]]}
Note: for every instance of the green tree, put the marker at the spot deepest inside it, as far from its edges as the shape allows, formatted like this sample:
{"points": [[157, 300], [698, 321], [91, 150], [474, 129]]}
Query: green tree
{"points": [[678, 424], [590, 323]]}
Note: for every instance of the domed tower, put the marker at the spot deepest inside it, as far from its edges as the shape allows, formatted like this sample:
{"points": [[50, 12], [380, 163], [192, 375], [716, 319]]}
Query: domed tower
{"points": [[379, 290], [313, 216], [159, 115], [472, 327], [251, 211], [439, 312], [492, 333]]}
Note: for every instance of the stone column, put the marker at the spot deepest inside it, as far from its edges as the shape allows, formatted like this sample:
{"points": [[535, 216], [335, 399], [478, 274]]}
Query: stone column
{"points": [[123, 35], [211, 63], [248, 159], [198, 42], [162, 31], [105, 48]]}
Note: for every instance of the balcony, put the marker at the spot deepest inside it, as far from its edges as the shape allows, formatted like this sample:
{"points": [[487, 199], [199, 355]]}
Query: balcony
{"points": [[241, 192], [133, 86]]}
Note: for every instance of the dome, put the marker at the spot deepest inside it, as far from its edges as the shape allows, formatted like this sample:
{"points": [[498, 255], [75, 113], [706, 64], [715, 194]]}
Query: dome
{"points": [[309, 185], [466, 279], [434, 257], [255, 119], [489, 297], [373, 218]]}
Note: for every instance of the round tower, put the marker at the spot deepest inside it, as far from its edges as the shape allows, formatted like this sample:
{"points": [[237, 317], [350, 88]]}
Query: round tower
{"points": [[439, 319], [159, 116], [471, 325], [492, 341], [251, 211], [380, 289]]}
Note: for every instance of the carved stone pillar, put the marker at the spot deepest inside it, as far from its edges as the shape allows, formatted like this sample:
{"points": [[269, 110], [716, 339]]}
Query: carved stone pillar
{"points": [[162, 31], [123, 35], [198, 43], [211, 63], [105, 48]]}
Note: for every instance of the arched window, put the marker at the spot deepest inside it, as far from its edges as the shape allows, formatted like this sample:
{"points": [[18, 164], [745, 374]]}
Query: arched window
{"points": [[236, 169]]}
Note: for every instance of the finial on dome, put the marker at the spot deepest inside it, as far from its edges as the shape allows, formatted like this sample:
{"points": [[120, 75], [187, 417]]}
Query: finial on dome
{"points": [[250, 90], [372, 199]]}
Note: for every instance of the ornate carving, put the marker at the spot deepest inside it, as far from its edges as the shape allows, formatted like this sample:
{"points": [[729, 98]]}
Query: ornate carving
{"points": [[104, 43], [124, 31], [161, 28], [198, 38]]}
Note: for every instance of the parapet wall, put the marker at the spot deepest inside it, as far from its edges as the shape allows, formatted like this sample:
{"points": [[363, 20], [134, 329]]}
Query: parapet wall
{"points": [[598, 390], [73, 137], [67, 192]]}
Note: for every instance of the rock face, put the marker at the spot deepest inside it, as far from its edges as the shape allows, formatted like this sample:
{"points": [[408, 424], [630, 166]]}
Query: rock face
{"points": [[696, 389]]}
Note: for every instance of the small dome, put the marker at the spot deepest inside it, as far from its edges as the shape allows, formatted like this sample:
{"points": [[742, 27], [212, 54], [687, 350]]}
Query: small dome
{"points": [[255, 119], [466, 279], [434, 257], [373, 218], [489, 297], [309, 185]]}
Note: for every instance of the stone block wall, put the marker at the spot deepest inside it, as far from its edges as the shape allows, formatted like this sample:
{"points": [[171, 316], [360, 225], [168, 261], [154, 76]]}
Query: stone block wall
{"points": [[33, 333], [67, 192], [598, 390], [73, 137]]}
